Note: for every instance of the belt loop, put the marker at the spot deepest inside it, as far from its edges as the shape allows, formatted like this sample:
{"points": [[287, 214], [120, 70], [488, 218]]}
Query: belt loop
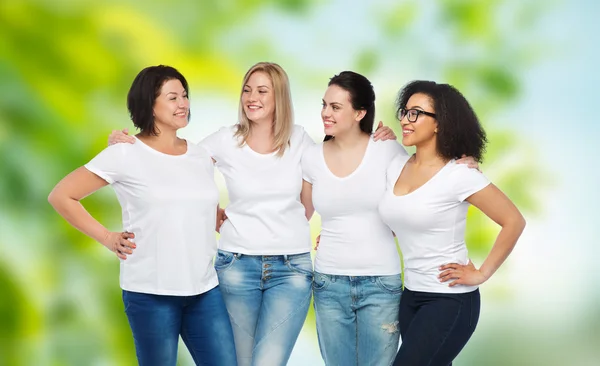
{"points": [[237, 255], [285, 258]]}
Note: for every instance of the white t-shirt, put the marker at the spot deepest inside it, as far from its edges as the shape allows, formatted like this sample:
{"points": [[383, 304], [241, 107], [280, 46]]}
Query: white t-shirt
{"points": [[430, 223], [354, 239], [169, 203], [265, 216]]}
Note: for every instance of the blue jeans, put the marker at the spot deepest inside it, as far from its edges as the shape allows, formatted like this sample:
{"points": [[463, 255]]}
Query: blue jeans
{"points": [[357, 318], [267, 298], [157, 321], [435, 327]]}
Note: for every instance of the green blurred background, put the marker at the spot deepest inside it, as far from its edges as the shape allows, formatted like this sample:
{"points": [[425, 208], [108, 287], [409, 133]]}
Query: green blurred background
{"points": [[528, 67]]}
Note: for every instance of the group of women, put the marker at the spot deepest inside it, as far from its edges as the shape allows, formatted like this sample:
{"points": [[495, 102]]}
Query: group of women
{"points": [[247, 306]]}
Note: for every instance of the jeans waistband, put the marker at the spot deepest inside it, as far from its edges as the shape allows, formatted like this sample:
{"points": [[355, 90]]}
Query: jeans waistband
{"points": [[273, 258], [335, 278]]}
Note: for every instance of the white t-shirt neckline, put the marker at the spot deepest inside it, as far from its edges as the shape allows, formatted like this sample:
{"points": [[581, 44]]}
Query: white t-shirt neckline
{"points": [[433, 178], [354, 239], [154, 151], [355, 171]]}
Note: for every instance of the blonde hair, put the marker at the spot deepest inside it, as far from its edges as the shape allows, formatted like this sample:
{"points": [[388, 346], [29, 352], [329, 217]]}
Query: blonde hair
{"points": [[283, 119]]}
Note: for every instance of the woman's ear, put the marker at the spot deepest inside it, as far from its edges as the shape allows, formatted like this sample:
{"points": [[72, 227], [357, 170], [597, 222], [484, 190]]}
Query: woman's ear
{"points": [[360, 114]]}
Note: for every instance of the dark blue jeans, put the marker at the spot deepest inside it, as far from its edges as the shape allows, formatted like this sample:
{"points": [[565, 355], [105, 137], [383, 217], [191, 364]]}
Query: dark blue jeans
{"points": [[157, 321], [435, 327]]}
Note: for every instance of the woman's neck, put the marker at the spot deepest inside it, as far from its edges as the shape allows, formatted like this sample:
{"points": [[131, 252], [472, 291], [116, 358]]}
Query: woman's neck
{"points": [[167, 138], [349, 140], [427, 155], [262, 129]]}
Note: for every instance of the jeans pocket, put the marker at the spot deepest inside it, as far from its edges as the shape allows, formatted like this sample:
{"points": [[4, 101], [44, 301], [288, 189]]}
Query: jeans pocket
{"points": [[301, 264], [391, 284], [320, 281], [224, 260]]}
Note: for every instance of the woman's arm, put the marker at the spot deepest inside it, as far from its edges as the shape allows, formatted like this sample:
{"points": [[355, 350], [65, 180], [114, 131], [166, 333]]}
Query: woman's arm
{"points": [[306, 199], [493, 203], [221, 217], [65, 199]]}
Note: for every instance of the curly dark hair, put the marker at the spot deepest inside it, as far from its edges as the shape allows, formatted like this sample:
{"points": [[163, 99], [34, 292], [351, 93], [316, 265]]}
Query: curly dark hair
{"points": [[459, 130], [143, 93]]}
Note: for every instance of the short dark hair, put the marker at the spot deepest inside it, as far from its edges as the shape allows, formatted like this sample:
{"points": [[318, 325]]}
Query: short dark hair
{"points": [[143, 93], [362, 97], [459, 130]]}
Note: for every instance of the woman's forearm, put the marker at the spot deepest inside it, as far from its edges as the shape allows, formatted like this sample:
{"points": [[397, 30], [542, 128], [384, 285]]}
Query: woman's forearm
{"points": [[505, 242], [75, 214]]}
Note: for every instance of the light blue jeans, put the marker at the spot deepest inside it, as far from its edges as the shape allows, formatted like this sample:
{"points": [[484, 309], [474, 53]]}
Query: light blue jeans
{"points": [[267, 298], [357, 318]]}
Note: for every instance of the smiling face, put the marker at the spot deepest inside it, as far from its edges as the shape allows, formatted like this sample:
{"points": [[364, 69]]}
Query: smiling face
{"points": [[424, 129], [337, 113], [258, 98], [172, 106]]}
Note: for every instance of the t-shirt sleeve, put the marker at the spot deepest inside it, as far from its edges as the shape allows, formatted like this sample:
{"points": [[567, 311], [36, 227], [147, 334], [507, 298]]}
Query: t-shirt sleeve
{"points": [[392, 150], [399, 149], [394, 168], [307, 164], [306, 141], [468, 181], [110, 163], [215, 142]]}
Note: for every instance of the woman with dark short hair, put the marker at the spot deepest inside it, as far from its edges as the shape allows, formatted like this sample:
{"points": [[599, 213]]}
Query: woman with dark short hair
{"points": [[169, 201], [426, 202]]}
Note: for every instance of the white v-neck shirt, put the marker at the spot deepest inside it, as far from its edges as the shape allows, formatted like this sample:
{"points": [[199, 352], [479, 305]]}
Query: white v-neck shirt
{"points": [[265, 215], [354, 239], [169, 202], [430, 223]]}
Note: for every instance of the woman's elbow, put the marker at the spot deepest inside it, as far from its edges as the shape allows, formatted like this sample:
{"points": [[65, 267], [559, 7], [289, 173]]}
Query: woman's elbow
{"points": [[309, 213], [52, 198], [522, 223], [55, 198], [518, 223]]}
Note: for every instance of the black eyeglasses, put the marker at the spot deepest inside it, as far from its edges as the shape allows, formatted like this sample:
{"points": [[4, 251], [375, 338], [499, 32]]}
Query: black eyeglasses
{"points": [[413, 114]]}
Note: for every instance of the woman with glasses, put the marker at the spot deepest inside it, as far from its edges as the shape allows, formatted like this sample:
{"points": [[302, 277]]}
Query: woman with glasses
{"points": [[425, 204]]}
